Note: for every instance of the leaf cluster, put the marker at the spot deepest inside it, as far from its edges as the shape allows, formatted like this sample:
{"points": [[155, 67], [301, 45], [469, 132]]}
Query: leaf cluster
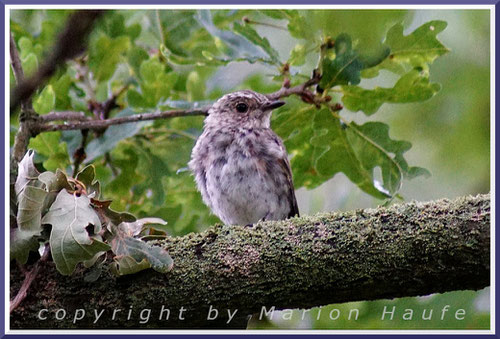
{"points": [[67, 213]]}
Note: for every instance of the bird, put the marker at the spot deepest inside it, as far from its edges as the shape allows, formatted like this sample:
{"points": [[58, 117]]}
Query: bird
{"points": [[240, 164]]}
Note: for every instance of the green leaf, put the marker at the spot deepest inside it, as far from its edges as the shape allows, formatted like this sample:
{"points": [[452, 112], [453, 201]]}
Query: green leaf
{"points": [[297, 24], [374, 148], [136, 56], [27, 173], [155, 169], [156, 84], [126, 264], [61, 89], [119, 189], [70, 242], [30, 195], [411, 87], [46, 101], [53, 184], [346, 67], [195, 87], [112, 136], [21, 243], [104, 55], [114, 217], [251, 34], [53, 152], [35, 193], [135, 99], [87, 177], [322, 146], [238, 47], [298, 55], [122, 244], [30, 64], [418, 49], [134, 228], [151, 69]]}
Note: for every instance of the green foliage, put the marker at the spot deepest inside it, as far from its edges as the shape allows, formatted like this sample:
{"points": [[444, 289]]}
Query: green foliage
{"points": [[416, 50], [82, 227], [413, 86], [334, 146], [345, 68], [159, 60]]}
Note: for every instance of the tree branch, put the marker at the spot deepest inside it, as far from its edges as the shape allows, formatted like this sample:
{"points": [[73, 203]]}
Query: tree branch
{"points": [[404, 250], [82, 122], [63, 116], [69, 44], [99, 124]]}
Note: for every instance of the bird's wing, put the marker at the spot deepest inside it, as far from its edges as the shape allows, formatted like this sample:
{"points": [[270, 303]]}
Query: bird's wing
{"points": [[294, 208]]}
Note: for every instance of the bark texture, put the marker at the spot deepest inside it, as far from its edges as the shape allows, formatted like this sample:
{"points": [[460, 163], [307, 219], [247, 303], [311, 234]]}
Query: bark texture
{"points": [[404, 250]]}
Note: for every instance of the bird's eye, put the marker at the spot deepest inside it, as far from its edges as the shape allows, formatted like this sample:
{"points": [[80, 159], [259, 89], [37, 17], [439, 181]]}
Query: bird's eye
{"points": [[242, 107]]}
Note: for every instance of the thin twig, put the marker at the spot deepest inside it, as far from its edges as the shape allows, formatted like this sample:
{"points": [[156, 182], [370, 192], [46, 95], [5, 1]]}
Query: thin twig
{"points": [[252, 22], [99, 124], [300, 90], [29, 277], [80, 123], [63, 115], [69, 44], [15, 60], [26, 117]]}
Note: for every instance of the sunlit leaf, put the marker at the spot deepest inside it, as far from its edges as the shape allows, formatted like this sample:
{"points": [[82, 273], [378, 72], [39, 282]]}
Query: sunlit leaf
{"points": [[412, 87], [418, 49], [46, 101], [51, 150], [104, 55]]}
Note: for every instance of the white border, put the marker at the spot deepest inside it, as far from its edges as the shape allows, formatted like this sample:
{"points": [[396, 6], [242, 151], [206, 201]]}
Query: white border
{"points": [[261, 332]]}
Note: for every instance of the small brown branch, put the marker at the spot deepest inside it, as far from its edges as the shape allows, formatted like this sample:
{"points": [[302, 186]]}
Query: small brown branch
{"points": [[299, 90], [26, 117], [69, 44], [99, 124], [15, 61], [63, 115], [252, 22], [78, 121], [28, 280], [102, 110]]}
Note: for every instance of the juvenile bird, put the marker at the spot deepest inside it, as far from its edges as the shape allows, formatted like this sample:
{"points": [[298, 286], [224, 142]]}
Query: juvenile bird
{"points": [[240, 165]]}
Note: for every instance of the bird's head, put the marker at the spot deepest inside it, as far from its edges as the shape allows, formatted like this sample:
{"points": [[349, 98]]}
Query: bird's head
{"points": [[243, 108]]}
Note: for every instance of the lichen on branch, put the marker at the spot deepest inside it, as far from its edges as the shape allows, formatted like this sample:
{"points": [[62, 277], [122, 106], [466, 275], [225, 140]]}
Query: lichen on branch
{"points": [[404, 250]]}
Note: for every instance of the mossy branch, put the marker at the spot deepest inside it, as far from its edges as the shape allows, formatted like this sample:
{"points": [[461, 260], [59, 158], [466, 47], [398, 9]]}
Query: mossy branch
{"points": [[405, 250]]}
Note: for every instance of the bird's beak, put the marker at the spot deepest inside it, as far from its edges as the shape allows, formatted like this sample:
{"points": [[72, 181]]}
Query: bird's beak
{"points": [[272, 105]]}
